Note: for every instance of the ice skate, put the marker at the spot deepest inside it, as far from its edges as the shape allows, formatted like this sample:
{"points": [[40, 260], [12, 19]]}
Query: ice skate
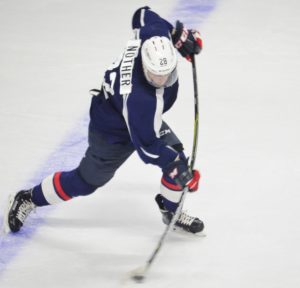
{"points": [[20, 206], [185, 222]]}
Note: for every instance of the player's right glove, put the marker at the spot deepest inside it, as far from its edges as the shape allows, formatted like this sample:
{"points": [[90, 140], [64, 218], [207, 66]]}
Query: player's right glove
{"points": [[179, 171], [187, 42]]}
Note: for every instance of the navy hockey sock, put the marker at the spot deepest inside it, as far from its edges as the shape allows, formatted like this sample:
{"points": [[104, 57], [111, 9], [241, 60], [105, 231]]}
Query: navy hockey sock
{"points": [[170, 192], [59, 187]]}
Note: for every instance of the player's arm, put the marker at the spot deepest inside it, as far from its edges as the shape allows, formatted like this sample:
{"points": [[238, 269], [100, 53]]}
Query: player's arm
{"points": [[142, 111], [148, 24], [187, 41], [144, 121]]}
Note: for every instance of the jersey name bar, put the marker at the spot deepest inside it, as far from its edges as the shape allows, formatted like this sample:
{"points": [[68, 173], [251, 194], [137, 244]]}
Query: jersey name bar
{"points": [[127, 64]]}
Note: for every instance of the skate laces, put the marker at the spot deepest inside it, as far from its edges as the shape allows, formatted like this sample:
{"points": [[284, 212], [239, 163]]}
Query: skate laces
{"points": [[185, 219], [25, 208]]}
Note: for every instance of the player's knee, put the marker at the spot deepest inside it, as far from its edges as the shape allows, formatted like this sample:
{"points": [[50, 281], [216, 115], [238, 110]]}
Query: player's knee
{"points": [[98, 179], [75, 185], [95, 170]]}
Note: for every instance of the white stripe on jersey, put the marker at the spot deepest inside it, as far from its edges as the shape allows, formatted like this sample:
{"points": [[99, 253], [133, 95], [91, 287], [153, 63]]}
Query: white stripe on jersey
{"points": [[149, 154], [159, 111], [125, 112], [142, 17], [49, 191]]}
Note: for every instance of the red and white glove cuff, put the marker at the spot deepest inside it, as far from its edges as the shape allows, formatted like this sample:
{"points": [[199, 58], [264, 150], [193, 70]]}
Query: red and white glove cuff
{"points": [[172, 191]]}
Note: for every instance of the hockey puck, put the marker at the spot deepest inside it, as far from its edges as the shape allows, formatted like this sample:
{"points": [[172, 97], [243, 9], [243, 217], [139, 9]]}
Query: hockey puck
{"points": [[138, 278]]}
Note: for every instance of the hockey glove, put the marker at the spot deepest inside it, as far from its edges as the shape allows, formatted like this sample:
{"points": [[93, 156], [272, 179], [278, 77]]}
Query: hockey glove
{"points": [[179, 171], [187, 42], [194, 183]]}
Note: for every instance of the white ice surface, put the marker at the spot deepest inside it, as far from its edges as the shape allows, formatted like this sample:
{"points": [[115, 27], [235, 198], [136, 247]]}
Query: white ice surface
{"points": [[52, 51]]}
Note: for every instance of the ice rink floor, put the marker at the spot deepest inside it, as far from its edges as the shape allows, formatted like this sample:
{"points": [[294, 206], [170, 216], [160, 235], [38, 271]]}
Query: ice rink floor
{"points": [[53, 51]]}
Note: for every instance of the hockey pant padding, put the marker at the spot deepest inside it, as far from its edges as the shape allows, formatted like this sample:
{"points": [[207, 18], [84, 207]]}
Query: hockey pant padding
{"points": [[102, 159], [97, 167]]}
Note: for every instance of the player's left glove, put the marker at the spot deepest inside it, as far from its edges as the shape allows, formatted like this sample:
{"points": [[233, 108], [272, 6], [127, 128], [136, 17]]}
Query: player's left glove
{"points": [[179, 171], [187, 42]]}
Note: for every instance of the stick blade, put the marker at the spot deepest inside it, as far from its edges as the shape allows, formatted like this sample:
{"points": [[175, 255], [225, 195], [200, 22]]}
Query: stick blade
{"points": [[139, 274]]}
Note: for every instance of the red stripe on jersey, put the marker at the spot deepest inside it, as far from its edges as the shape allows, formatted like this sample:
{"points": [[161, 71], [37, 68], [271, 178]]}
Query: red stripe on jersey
{"points": [[170, 185], [57, 185]]}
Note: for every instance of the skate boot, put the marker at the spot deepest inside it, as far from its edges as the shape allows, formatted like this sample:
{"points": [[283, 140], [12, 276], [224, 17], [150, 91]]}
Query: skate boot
{"points": [[185, 222], [20, 207]]}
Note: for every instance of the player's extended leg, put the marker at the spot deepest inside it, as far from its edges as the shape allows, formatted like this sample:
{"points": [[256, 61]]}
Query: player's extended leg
{"points": [[97, 167], [170, 192]]}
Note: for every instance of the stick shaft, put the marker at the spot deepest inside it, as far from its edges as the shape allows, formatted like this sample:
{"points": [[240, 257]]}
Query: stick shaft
{"points": [[170, 226], [196, 119]]}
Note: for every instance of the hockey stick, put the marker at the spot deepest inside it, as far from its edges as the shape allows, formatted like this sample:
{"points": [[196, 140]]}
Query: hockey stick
{"points": [[139, 274], [196, 122]]}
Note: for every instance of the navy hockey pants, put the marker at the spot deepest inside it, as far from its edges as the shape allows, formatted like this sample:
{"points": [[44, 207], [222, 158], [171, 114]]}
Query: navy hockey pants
{"points": [[103, 159]]}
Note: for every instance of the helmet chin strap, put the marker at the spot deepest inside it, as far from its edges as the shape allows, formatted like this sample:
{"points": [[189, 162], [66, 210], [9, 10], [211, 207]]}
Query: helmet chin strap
{"points": [[170, 81], [148, 79]]}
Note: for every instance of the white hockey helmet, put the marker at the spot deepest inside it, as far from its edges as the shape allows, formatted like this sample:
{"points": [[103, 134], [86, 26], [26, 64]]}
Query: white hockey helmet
{"points": [[159, 60]]}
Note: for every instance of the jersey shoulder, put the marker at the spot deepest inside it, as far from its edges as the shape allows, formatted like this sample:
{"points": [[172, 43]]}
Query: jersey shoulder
{"points": [[146, 23]]}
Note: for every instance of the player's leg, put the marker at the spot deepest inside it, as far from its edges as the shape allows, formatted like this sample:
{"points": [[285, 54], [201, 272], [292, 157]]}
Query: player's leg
{"points": [[54, 189], [170, 192], [96, 168]]}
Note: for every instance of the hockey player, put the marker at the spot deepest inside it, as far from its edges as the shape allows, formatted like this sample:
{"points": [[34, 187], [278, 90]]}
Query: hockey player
{"points": [[126, 116]]}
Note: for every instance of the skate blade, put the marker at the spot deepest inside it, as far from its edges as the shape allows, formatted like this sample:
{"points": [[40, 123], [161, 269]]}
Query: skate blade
{"points": [[138, 275], [5, 226], [182, 232]]}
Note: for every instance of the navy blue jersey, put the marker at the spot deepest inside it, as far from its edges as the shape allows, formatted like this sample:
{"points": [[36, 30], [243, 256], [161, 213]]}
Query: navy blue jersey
{"points": [[128, 108]]}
